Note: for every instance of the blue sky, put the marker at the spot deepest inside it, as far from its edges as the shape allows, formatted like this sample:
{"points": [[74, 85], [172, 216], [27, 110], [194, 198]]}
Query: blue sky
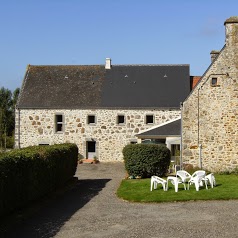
{"points": [[66, 32]]}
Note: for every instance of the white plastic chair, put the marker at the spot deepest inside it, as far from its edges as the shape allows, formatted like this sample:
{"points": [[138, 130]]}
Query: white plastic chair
{"points": [[155, 180], [184, 176], [197, 178], [175, 181], [211, 178]]}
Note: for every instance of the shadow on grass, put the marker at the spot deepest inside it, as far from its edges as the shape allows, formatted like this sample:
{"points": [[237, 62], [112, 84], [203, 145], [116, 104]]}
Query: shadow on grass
{"points": [[47, 220]]}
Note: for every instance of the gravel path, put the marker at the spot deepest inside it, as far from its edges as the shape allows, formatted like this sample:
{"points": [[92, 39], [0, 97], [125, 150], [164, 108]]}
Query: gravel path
{"points": [[91, 209]]}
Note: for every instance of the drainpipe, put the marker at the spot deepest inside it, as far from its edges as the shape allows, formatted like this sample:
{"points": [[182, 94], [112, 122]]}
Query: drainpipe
{"points": [[200, 155], [199, 145], [181, 137], [19, 144]]}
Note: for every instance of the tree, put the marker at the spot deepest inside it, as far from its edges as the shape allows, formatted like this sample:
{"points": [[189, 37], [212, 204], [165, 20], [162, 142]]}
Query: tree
{"points": [[15, 95], [7, 117]]}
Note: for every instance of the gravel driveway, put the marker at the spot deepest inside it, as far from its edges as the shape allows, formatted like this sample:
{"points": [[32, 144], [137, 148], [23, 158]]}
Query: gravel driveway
{"points": [[91, 209]]}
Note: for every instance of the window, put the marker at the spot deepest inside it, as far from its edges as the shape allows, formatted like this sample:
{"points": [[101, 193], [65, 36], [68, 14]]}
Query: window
{"points": [[214, 82], [59, 123], [175, 154], [91, 119], [149, 119], [175, 150], [120, 119]]}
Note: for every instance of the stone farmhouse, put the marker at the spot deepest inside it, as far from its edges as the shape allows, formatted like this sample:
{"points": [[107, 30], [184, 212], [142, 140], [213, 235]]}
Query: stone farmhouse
{"points": [[101, 108], [210, 112]]}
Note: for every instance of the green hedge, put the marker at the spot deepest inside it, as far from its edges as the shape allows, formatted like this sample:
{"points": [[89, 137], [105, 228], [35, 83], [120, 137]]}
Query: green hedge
{"points": [[29, 173], [145, 160]]}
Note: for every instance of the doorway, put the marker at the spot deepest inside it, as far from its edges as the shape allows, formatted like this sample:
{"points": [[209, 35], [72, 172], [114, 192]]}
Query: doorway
{"points": [[91, 149]]}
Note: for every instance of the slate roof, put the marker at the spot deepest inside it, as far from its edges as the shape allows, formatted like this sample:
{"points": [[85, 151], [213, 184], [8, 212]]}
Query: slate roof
{"points": [[122, 86], [172, 128]]}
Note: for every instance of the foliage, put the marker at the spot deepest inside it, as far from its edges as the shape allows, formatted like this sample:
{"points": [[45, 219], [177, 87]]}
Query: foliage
{"points": [[8, 101], [145, 160], [191, 169], [10, 142], [138, 190], [28, 174], [234, 171]]}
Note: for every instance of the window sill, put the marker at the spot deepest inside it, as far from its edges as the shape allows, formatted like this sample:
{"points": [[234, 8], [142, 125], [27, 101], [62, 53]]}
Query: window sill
{"points": [[59, 132]]}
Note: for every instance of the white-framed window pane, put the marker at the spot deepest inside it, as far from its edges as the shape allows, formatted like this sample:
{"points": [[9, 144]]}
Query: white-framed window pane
{"points": [[59, 122]]}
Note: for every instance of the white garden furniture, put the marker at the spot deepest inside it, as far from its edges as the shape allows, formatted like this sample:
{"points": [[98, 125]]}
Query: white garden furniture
{"points": [[198, 178], [184, 176], [155, 180], [211, 178], [175, 181]]}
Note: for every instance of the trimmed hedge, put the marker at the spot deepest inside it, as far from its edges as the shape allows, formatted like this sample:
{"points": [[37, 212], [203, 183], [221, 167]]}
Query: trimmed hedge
{"points": [[145, 160], [30, 173]]}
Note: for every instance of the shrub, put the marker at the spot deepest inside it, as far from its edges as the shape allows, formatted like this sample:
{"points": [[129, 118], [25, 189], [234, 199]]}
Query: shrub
{"points": [[191, 169], [10, 142], [28, 174], [228, 172], [145, 160]]}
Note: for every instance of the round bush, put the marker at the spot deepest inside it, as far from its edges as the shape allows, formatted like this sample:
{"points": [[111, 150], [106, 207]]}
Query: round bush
{"points": [[145, 160]]}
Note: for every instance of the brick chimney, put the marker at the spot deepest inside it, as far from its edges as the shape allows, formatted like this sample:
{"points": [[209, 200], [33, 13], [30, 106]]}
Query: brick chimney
{"points": [[108, 63], [214, 54], [231, 25]]}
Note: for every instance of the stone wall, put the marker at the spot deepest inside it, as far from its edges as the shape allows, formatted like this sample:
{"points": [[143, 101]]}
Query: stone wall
{"points": [[35, 127], [210, 113]]}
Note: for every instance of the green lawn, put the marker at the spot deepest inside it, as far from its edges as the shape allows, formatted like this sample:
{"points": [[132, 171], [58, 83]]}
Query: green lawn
{"points": [[138, 190]]}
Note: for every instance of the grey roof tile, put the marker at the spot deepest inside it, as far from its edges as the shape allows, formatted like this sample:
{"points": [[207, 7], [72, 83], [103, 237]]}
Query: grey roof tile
{"points": [[170, 129], [122, 86]]}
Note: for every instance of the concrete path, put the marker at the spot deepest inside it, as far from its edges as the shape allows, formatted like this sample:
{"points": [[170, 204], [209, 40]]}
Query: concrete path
{"points": [[91, 210]]}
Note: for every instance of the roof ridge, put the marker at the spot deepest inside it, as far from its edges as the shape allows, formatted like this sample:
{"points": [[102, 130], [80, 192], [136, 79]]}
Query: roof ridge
{"points": [[44, 65], [150, 65], [75, 65]]}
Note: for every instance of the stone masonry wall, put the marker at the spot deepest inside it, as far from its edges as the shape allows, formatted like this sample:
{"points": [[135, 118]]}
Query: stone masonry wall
{"points": [[35, 127], [210, 113]]}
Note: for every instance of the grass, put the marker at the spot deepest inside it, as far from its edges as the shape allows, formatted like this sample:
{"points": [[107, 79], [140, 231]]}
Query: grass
{"points": [[138, 190]]}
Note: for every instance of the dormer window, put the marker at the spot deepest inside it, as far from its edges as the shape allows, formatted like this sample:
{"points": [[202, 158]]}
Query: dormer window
{"points": [[214, 82]]}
